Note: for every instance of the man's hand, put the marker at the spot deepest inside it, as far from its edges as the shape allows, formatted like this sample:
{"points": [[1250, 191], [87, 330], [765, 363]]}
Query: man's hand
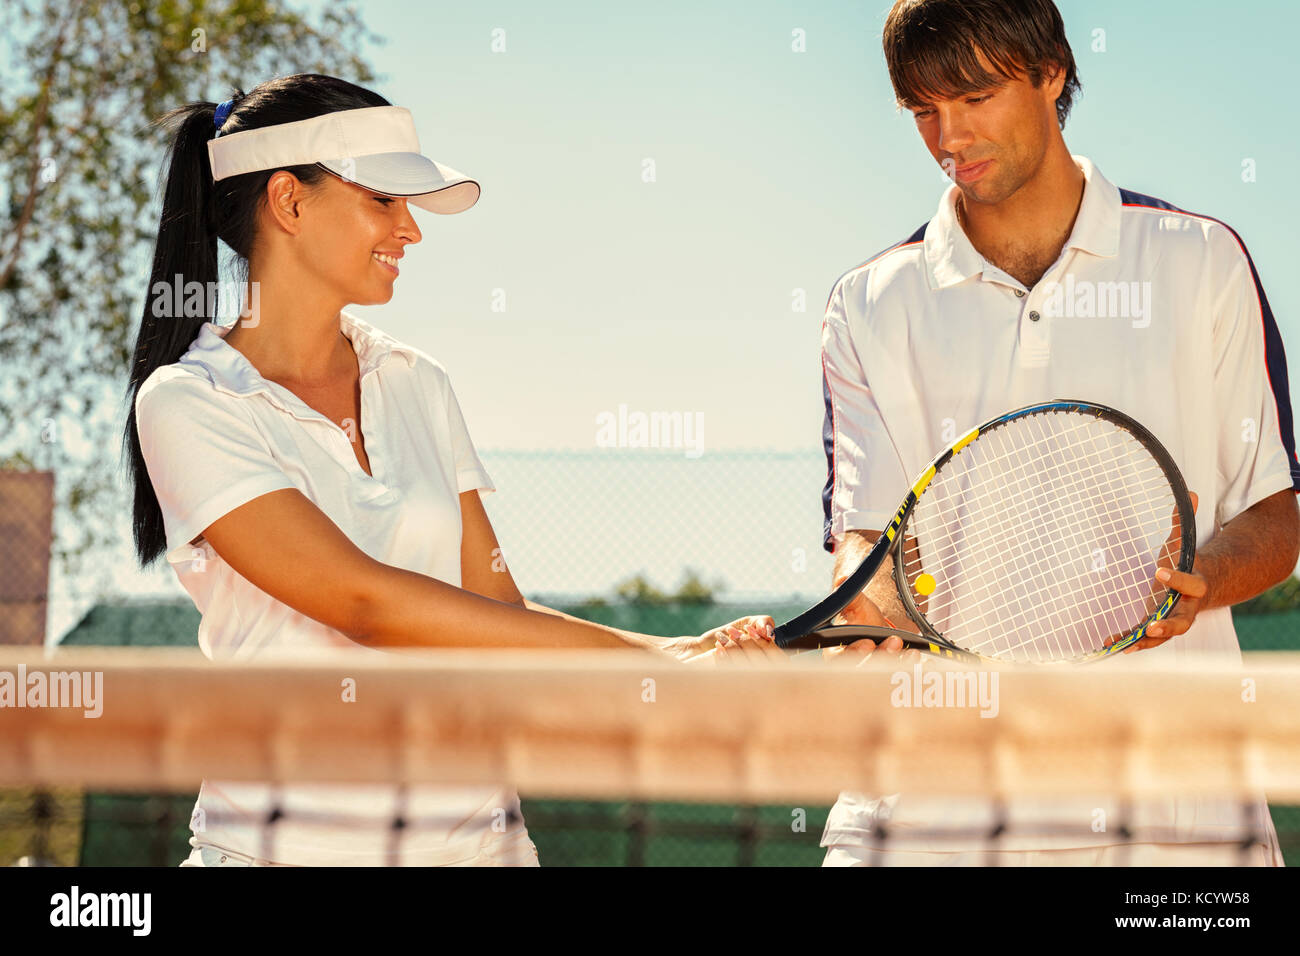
{"points": [[1192, 588], [862, 610]]}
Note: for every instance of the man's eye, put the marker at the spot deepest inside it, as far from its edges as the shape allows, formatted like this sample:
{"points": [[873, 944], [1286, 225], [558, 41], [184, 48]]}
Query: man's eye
{"points": [[384, 199]]}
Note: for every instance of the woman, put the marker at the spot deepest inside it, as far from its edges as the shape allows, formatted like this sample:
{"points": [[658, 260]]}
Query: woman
{"points": [[309, 478]]}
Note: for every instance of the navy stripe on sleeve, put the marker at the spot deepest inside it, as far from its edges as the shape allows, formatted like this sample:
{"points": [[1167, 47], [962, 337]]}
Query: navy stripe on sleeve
{"points": [[828, 423], [828, 443]]}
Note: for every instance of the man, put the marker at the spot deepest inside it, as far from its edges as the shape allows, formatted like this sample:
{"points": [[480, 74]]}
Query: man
{"points": [[1039, 279]]}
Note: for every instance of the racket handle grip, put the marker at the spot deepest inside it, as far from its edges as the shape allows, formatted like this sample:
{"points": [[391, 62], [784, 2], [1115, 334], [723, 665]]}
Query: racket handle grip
{"points": [[833, 635]]}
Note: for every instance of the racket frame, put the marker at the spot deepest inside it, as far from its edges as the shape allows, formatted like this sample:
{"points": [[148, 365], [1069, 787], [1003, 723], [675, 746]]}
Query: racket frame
{"points": [[818, 616], [811, 628], [832, 635]]}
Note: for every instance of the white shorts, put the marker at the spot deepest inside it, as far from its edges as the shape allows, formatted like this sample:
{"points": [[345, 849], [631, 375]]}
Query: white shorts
{"points": [[1135, 854], [513, 849]]}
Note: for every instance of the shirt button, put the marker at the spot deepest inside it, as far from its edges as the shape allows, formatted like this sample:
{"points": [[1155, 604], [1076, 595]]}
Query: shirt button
{"points": [[1020, 293], [1034, 316]]}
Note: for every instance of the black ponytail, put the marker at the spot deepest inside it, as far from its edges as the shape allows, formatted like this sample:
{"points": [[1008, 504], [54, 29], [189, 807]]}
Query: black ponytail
{"points": [[195, 213]]}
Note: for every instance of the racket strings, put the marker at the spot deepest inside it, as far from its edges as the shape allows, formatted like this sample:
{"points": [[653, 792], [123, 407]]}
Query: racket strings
{"points": [[1153, 476], [1059, 555], [1032, 511], [1039, 538], [1062, 552], [1007, 549], [948, 552], [1054, 560], [1039, 508], [1063, 558]]}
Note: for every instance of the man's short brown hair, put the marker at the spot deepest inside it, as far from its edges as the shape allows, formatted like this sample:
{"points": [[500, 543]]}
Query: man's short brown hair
{"points": [[931, 48]]}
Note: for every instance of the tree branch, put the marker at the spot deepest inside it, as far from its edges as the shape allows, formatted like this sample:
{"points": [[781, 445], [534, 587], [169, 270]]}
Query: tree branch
{"points": [[38, 128]]}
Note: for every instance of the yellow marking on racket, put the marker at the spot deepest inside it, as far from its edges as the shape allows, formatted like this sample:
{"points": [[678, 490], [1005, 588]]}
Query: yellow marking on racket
{"points": [[892, 530], [924, 584], [923, 481], [965, 440]]}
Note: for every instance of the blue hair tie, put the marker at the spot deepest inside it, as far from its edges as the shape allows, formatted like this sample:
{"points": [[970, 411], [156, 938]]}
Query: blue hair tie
{"points": [[223, 111]]}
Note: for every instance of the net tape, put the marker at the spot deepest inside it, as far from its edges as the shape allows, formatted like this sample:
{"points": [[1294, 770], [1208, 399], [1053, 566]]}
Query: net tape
{"points": [[624, 726]]}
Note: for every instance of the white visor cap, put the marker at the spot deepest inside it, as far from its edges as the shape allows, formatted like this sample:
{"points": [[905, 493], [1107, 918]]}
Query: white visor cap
{"points": [[375, 147]]}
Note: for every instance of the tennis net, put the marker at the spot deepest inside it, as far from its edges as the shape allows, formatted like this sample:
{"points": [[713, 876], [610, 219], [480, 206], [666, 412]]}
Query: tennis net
{"points": [[600, 729]]}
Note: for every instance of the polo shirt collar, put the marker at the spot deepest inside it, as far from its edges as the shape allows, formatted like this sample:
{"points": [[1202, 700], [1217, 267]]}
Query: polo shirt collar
{"points": [[951, 258], [230, 371]]}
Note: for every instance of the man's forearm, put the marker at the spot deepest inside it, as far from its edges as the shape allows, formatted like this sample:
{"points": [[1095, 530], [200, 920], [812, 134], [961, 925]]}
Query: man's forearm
{"points": [[1252, 552]]}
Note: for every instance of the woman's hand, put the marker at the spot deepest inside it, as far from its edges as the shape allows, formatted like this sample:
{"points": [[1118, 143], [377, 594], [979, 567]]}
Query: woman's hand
{"points": [[756, 628], [747, 645]]}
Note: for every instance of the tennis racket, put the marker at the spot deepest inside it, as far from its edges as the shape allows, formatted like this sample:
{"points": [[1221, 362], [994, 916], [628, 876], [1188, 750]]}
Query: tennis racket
{"points": [[1033, 538]]}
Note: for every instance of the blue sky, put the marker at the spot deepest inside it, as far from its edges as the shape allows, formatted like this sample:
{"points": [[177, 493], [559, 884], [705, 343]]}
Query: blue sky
{"points": [[775, 171]]}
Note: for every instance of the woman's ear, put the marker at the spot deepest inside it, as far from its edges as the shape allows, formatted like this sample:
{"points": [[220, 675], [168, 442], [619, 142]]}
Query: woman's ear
{"points": [[285, 194]]}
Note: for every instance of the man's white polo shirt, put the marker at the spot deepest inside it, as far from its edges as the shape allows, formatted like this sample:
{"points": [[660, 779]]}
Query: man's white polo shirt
{"points": [[215, 434], [1149, 309]]}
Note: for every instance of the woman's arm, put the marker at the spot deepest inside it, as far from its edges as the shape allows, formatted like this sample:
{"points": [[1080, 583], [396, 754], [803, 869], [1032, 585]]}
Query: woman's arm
{"points": [[285, 545], [482, 565]]}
